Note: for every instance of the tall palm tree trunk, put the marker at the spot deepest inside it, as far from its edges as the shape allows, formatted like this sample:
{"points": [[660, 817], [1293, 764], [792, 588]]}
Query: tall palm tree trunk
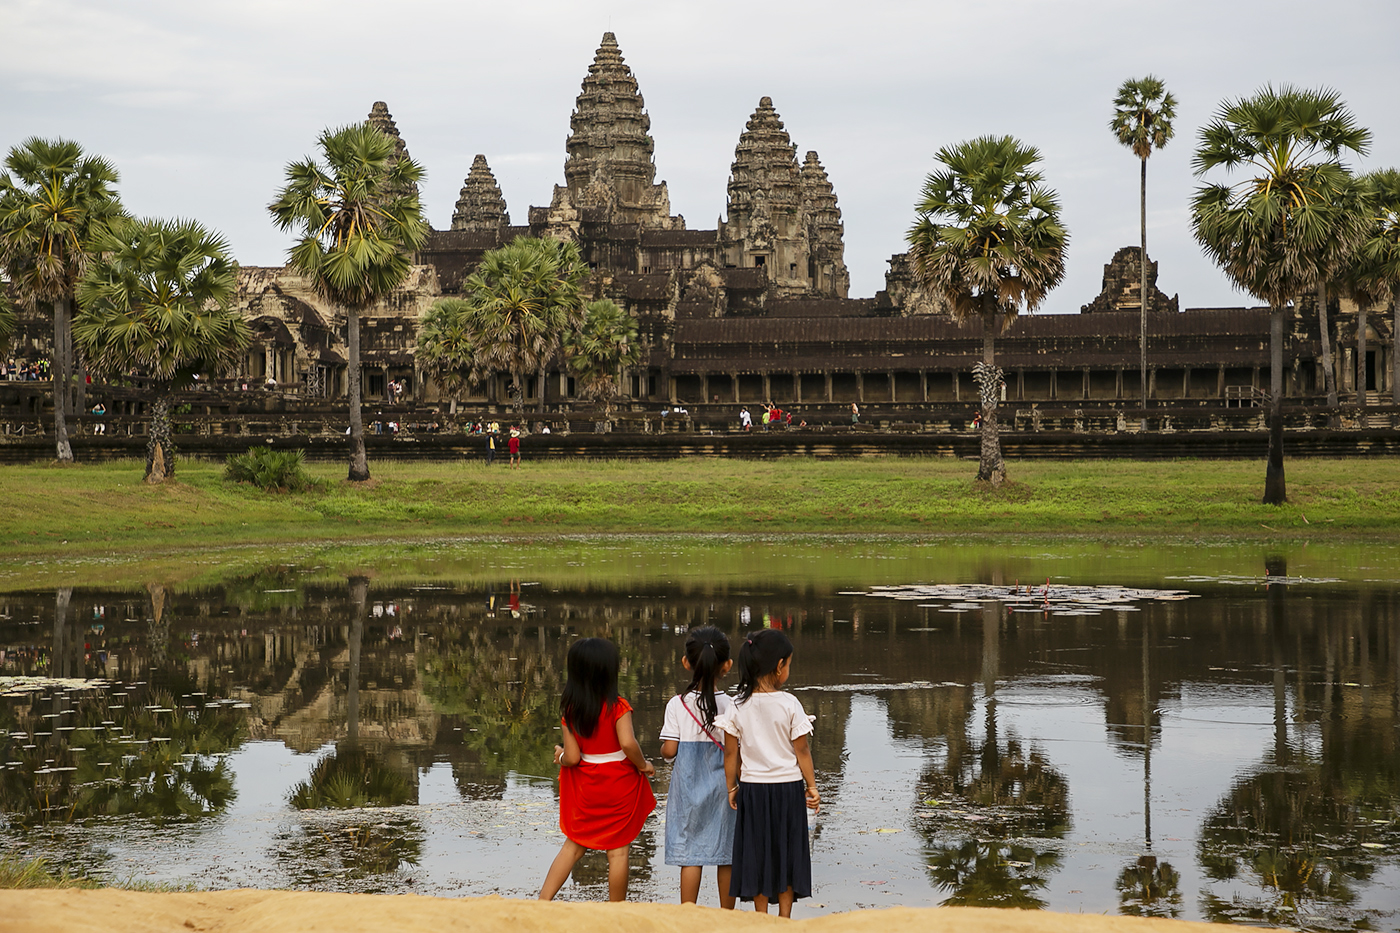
{"points": [[991, 468], [1362, 308], [1142, 289], [59, 374], [359, 462], [1275, 489], [1329, 372], [517, 378], [1394, 356], [160, 450]]}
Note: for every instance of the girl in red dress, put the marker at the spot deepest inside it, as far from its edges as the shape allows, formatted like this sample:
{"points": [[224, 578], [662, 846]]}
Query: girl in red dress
{"points": [[604, 792]]}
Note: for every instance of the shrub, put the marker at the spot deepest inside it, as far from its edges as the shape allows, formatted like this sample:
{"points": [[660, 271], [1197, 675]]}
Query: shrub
{"points": [[270, 470]]}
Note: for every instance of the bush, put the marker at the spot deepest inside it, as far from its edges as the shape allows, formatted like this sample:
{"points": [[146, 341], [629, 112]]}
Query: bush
{"points": [[270, 470]]}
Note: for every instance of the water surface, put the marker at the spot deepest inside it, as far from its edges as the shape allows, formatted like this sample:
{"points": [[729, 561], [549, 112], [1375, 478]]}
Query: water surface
{"points": [[1190, 731]]}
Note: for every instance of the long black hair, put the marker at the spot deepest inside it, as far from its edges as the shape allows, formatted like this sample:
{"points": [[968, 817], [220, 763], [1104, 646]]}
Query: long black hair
{"points": [[759, 656], [592, 683], [706, 649]]}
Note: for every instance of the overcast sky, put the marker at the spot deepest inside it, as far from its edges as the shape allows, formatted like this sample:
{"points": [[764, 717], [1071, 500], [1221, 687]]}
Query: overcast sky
{"points": [[202, 104]]}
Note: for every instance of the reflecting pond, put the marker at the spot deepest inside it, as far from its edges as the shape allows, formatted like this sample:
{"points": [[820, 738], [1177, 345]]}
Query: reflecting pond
{"points": [[1203, 732]]}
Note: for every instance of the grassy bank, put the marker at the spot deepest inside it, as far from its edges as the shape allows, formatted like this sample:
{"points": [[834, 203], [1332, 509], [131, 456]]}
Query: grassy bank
{"points": [[104, 508]]}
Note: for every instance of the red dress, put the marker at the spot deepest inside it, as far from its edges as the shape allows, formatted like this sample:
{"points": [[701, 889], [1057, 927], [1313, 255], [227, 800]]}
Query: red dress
{"points": [[602, 805]]}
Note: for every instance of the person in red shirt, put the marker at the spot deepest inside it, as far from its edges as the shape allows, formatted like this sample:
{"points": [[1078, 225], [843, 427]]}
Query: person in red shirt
{"points": [[604, 779], [514, 446]]}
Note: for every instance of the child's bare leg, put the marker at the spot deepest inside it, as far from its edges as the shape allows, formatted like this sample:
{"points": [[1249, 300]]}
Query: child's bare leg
{"points": [[569, 853], [760, 904], [690, 883], [617, 874], [726, 900], [785, 903]]}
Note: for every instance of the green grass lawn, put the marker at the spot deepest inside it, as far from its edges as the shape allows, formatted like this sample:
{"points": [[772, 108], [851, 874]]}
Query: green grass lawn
{"points": [[92, 509]]}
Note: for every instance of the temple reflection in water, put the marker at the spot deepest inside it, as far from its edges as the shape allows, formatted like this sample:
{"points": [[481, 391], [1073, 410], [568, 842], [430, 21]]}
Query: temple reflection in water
{"points": [[1000, 715]]}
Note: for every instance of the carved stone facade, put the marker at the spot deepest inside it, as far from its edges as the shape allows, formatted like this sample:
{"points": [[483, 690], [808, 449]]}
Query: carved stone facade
{"points": [[1122, 282], [757, 307]]}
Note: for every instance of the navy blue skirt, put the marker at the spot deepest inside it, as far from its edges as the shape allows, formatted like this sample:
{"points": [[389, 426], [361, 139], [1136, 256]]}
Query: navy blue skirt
{"points": [[771, 852]]}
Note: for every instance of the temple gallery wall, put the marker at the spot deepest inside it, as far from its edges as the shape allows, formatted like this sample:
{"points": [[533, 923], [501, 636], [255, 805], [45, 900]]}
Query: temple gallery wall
{"points": [[757, 308]]}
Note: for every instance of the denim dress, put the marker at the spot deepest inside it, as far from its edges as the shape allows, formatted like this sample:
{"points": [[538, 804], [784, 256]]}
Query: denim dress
{"points": [[699, 821]]}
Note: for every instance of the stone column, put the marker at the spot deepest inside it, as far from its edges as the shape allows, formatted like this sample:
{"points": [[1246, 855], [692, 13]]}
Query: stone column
{"points": [[767, 387], [704, 388], [797, 387], [860, 387], [1186, 382], [734, 378], [1118, 382], [957, 386], [894, 396], [269, 363], [1054, 384], [1220, 381], [923, 385], [827, 374], [672, 381], [1084, 393]]}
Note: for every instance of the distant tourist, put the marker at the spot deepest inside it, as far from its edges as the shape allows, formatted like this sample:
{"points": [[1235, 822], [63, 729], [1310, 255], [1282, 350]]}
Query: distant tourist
{"points": [[98, 411], [514, 445], [855, 413], [745, 419]]}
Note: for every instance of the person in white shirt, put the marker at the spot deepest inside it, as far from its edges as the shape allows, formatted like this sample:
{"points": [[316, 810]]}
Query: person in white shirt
{"points": [[768, 767], [699, 820]]}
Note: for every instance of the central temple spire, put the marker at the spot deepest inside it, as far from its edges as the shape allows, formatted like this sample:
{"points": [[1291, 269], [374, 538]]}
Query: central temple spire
{"points": [[610, 146]]}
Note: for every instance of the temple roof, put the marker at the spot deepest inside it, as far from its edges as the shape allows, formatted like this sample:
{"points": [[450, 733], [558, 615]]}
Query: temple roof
{"points": [[610, 126], [381, 119], [765, 171], [819, 197], [480, 205]]}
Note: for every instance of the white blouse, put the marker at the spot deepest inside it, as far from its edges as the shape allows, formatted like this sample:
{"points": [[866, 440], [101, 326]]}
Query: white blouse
{"points": [[766, 724]]}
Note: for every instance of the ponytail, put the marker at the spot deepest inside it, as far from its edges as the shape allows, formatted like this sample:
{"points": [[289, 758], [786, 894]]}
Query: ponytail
{"points": [[706, 650], [759, 656]]}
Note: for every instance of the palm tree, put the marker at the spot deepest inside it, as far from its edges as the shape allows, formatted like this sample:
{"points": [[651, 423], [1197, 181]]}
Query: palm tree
{"points": [[1350, 223], [989, 240], [52, 200], [596, 352], [447, 346], [523, 298], [1373, 275], [1142, 120], [7, 316], [158, 301], [1269, 232], [359, 221]]}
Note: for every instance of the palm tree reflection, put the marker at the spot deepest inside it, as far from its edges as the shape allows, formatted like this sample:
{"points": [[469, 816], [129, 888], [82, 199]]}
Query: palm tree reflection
{"points": [[997, 807]]}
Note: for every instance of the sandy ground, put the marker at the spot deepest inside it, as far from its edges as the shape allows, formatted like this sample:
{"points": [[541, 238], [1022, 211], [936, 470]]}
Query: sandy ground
{"points": [[109, 911]]}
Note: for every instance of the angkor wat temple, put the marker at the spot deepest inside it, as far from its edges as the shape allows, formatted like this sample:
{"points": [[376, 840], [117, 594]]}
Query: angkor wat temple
{"points": [[757, 308]]}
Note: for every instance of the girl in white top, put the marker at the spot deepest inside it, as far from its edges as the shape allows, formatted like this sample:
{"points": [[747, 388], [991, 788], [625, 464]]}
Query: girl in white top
{"points": [[699, 821], [768, 767]]}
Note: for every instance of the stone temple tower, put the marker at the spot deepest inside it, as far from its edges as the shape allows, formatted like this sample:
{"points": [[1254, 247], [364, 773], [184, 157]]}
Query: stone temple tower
{"points": [[480, 205], [779, 215], [381, 119], [826, 246], [610, 174]]}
